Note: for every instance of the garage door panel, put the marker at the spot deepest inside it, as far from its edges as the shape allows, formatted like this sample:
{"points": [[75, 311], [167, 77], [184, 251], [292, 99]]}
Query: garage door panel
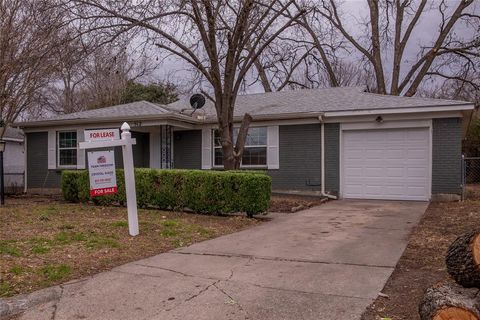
{"points": [[354, 172], [394, 136], [395, 172], [386, 164], [393, 154], [373, 189], [354, 189], [415, 191], [373, 153], [374, 172], [354, 154], [417, 135], [413, 172], [416, 153]]}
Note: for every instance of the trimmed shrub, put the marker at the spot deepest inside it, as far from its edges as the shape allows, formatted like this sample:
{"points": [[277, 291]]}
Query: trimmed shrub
{"points": [[210, 192]]}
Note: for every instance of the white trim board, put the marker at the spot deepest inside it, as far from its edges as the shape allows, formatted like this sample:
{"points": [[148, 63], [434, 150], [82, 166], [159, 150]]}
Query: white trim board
{"points": [[394, 117], [383, 126], [399, 110]]}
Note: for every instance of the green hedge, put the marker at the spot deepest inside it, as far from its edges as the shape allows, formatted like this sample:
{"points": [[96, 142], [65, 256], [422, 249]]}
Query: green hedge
{"points": [[210, 192]]}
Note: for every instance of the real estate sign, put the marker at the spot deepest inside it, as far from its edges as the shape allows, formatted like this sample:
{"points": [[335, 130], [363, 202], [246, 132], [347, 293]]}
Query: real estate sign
{"points": [[101, 135], [101, 169]]}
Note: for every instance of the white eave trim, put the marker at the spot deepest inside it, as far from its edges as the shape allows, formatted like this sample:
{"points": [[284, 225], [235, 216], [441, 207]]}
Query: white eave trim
{"points": [[167, 118], [13, 139], [461, 107]]}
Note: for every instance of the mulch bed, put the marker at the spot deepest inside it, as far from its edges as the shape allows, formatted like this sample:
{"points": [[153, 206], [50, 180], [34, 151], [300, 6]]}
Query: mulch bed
{"points": [[292, 203], [423, 262]]}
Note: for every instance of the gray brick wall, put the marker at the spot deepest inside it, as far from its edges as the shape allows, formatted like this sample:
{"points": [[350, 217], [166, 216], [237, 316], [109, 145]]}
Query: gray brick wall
{"points": [[299, 149], [332, 157], [38, 175], [446, 155], [187, 149]]}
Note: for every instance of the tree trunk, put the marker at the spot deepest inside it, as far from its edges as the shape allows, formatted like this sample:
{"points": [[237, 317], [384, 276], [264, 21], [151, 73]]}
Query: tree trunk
{"points": [[227, 148], [450, 302], [232, 154], [241, 139], [463, 259]]}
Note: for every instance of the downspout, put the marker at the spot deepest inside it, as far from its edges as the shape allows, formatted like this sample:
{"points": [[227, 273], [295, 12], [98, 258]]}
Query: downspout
{"points": [[322, 161]]}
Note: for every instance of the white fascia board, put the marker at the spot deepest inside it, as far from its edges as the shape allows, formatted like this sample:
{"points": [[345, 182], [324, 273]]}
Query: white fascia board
{"points": [[13, 139], [286, 122], [74, 127], [461, 107], [103, 121], [405, 124], [395, 117], [112, 125]]}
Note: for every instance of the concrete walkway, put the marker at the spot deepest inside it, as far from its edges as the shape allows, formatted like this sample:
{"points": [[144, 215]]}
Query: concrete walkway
{"points": [[328, 262]]}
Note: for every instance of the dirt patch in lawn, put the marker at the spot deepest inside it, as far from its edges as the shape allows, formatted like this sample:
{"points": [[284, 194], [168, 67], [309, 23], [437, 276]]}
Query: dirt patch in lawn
{"points": [[291, 203], [44, 241], [423, 262]]}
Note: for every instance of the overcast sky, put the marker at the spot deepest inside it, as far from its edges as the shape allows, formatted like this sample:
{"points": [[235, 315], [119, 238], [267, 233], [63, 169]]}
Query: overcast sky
{"points": [[354, 10]]}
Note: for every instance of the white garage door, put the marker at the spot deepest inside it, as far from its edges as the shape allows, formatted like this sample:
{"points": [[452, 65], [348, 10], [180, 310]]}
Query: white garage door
{"points": [[388, 164]]}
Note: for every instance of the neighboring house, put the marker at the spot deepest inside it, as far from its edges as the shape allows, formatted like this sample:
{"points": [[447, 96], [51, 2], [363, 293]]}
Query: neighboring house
{"points": [[375, 146], [14, 160]]}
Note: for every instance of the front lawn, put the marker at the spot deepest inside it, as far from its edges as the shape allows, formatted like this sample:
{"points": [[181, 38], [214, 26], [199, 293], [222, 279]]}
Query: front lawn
{"points": [[45, 241], [423, 262]]}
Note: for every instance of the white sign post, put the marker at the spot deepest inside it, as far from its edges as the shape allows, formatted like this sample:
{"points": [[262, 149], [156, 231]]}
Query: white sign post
{"points": [[127, 153], [106, 139]]}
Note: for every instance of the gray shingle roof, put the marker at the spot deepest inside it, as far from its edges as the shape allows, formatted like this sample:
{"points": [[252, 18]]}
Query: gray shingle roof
{"points": [[139, 108], [318, 100], [285, 104]]}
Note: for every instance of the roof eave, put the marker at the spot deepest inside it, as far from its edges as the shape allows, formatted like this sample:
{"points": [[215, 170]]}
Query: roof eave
{"points": [[262, 117], [272, 117], [420, 109], [51, 123]]}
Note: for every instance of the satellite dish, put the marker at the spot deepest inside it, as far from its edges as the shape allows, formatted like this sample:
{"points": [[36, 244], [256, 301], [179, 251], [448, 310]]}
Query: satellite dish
{"points": [[197, 101]]}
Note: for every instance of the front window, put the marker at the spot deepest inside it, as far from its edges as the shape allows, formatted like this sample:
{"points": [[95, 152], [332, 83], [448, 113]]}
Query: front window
{"points": [[255, 152], [67, 148]]}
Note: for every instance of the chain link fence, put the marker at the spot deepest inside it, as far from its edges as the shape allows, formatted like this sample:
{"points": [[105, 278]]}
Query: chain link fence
{"points": [[470, 172]]}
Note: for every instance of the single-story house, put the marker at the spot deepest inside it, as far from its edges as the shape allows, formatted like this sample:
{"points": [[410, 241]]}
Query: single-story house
{"points": [[336, 141]]}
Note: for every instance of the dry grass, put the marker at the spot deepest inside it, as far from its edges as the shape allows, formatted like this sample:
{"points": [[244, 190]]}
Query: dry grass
{"points": [[44, 241]]}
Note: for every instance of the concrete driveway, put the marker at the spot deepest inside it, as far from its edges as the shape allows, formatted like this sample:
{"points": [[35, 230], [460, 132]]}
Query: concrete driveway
{"points": [[328, 262]]}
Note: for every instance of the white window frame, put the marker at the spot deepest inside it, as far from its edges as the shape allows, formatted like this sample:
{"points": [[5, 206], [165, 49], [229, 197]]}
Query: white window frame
{"points": [[72, 166], [259, 166]]}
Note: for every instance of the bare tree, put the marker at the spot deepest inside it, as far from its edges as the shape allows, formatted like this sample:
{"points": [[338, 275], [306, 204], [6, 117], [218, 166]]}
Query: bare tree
{"points": [[309, 55], [386, 34], [27, 28], [221, 39], [90, 75]]}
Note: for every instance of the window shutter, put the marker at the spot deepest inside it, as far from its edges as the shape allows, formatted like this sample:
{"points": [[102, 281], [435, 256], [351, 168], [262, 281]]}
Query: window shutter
{"points": [[272, 148], [52, 149], [206, 148], [80, 152]]}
